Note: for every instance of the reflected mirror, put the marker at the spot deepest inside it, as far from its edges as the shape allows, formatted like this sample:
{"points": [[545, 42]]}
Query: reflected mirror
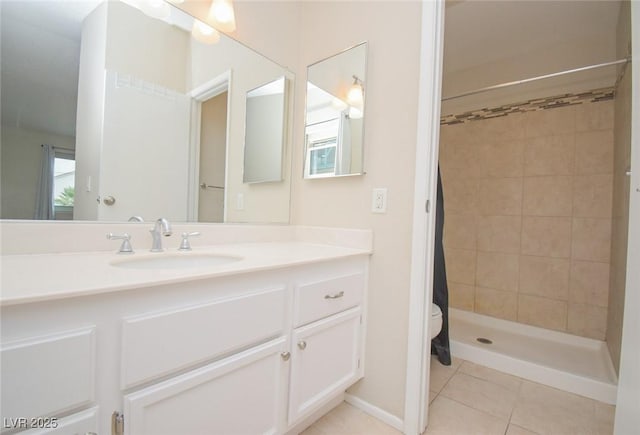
{"points": [[149, 105], [334, 121], [264, 135]]}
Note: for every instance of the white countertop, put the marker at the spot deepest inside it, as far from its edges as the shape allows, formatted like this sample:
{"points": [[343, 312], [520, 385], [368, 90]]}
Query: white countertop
{"points": [[39, 277]]}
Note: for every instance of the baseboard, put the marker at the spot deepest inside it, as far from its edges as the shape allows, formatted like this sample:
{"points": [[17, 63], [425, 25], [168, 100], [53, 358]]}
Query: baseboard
{"points": [[374, 411]]}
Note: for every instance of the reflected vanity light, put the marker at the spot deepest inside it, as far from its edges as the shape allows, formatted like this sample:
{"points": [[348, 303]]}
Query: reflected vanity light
{"points": [[355, 98], [204, 33], [222, 15]]}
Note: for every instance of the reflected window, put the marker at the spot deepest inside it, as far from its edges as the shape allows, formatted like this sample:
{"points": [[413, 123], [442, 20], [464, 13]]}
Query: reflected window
{"points": [[64, 172]]}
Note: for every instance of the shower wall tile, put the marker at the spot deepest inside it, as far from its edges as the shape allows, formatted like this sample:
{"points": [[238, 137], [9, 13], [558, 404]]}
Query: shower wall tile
{"points": [[497, 271], [550, 122], [594, 116], [461, 159], [500, 196], [461, 296], [593, 196], [544, 276], [549, 155], [594, 152], [588, 321], [497, 303], [461, 265], [460, 231], [502, 159], [590, 283], [499, 234], [547, 196], [546, 236], [591, 239], [460, 196], [543, 312], [501, 129]]}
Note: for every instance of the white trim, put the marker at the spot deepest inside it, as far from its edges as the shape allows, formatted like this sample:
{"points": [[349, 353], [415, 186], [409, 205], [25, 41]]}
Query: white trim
{"points": [[374, 411], [627, 418], [207, 90], [420, 294]]}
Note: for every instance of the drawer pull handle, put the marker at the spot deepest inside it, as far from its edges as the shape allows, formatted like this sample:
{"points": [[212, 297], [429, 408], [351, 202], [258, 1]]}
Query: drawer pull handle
{"points": [[285, 356], [302, 345], [334, 296]]}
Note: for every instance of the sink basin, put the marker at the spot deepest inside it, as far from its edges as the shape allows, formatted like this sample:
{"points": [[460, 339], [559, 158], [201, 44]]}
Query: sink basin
{"points": [[174, 261]]}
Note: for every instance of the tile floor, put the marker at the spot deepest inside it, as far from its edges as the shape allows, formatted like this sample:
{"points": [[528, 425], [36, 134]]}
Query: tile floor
{"points": [[467, 398]]}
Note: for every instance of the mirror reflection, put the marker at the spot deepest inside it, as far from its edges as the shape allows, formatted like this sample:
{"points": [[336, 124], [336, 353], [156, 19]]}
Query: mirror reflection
{"points": [[109, 112], [334, 122], [265, 132]]}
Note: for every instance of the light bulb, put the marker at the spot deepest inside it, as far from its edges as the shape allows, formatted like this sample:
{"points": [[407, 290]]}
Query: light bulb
{"points": [[222, 15], [355, 96], [204, 33]]}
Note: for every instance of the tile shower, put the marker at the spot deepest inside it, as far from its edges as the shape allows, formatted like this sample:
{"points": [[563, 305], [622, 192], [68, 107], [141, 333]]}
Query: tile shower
{"points": [[528, 206]]}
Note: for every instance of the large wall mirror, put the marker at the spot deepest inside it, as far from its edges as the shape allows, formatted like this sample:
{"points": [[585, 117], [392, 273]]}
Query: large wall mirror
{"points": [[110, 112], [334, 121]]}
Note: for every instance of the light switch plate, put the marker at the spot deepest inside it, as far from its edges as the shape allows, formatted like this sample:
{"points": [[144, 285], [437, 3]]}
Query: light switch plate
{"points": [[379, 200]]}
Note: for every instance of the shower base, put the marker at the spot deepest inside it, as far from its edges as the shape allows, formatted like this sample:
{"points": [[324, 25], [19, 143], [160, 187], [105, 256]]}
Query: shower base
{"points": [[567, 362]]}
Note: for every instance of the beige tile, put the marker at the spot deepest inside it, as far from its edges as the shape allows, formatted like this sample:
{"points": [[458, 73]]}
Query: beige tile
{"points": [[460, 157], [547, 196], [544, 276], [605, 415], [550, 122], [496, 303], [461, 296], [590, 283], [511, 383], [517, 430], [448, 417], [500, 196], [546, 236], [502, 159], [594, 152], [461, 265], [457, 133], [546, 410], [549, 155], [587, 321], [481, 395], [593, 196], [543, 312], [500, 129], [460, 195], [594, 116], [432, 396], [346, 419], [591, 239], [440, 374], [497, 271], [499, 234], [460, 231]]}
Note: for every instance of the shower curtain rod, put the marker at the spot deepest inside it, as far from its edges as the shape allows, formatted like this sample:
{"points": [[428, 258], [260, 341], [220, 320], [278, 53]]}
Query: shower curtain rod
{"points": [[533, 79]]}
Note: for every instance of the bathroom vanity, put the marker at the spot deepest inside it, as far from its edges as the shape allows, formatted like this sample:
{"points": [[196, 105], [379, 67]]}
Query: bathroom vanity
{"points": [[254, 345]]}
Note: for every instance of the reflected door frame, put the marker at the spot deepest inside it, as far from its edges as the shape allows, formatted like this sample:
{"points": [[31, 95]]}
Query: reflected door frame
{"points": [[199, 95]]}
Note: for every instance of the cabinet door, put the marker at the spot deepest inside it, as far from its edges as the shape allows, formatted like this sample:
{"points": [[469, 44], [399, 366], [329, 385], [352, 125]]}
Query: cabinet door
{"points": [[241, 394], [325, 361]]}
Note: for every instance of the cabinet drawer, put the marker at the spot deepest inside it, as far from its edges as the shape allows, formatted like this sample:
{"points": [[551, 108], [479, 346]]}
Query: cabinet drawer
{"points": [[316, 300], [45, 376], [162, 343]]}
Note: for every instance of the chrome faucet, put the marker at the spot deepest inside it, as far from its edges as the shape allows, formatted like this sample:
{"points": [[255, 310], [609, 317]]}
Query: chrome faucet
{"points": [[161, 228]]}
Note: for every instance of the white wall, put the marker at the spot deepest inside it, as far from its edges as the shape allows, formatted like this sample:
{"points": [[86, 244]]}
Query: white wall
{"points": [[327, 28], [21, 157]]}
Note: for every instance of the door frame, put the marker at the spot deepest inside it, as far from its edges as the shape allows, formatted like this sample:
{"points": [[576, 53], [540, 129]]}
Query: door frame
{"points": [[423, 230], [200, 94]]}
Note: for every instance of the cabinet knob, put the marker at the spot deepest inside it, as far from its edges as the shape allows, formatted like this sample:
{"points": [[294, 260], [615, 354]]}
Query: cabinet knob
{"points": [[302, 345], [285, 356], [335, 295]]}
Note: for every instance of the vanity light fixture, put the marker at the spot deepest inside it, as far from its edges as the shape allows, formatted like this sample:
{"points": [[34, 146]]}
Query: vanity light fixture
{"points": [[204, 33], [222, 15], [355, 98]]}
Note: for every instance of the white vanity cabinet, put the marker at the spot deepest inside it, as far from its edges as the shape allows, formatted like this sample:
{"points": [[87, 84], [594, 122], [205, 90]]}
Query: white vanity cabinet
{"points": [[247, 353]]}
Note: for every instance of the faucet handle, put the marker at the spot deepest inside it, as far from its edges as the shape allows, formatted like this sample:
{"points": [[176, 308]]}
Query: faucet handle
{"points": [[125, 248], [185, 245]]}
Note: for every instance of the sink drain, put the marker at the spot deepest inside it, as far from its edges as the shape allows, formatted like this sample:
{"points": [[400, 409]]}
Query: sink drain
{"points": [[484, 340]]}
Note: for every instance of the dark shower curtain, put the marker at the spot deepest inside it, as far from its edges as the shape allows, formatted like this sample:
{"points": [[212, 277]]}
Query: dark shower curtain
{"points": [[440, 343]]}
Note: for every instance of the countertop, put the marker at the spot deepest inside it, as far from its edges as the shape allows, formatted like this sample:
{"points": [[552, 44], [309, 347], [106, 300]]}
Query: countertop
{"points": [[30, 278]]}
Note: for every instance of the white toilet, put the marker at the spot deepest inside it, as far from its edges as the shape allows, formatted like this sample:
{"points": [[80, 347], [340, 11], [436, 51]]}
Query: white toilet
{"points": [[436, 321]]}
